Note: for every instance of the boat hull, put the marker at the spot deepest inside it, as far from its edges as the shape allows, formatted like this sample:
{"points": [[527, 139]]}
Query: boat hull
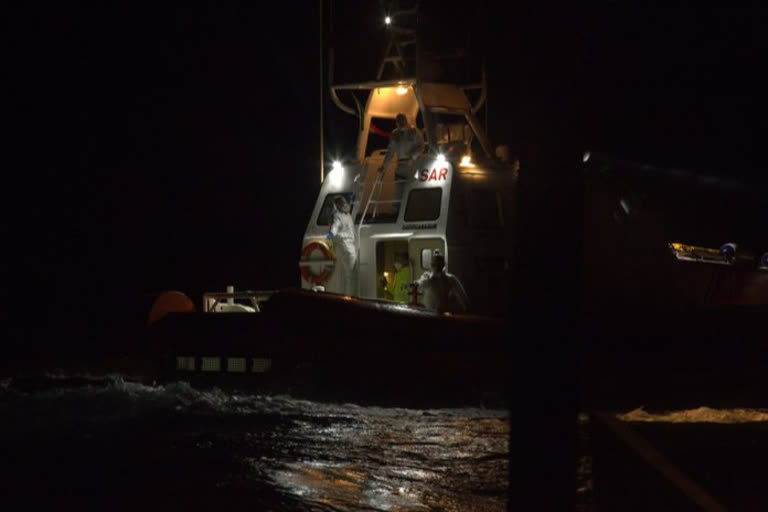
{"points": [[312, 344]]}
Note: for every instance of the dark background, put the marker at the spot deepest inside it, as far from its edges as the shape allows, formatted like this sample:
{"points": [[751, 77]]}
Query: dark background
{"points": [[155, 150]]}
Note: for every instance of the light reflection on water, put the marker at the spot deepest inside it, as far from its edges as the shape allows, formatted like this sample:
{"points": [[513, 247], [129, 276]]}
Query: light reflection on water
{"points": [[406, 460], [274, 452]]}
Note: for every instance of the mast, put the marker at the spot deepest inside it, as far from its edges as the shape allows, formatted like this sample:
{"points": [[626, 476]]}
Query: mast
{"points": [[403, 48], [322, 100]]}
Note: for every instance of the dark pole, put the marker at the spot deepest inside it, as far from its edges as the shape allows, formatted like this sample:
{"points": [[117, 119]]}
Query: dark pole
{"points": [[322, 99]]}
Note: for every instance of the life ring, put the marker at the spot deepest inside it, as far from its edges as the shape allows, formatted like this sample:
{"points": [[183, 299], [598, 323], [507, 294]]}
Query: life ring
{"points": [[306, 262]]}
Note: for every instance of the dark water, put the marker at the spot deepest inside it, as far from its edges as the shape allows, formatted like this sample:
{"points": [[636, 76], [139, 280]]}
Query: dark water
{"points": [[109, 443]]}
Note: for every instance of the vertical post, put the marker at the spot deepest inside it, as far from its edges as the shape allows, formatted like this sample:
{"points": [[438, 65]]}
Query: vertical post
{"points": [[485, 84], [417, 44], [230, 300], [322, 98]]}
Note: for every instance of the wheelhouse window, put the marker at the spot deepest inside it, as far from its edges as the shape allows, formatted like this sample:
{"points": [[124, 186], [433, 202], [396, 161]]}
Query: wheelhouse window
{"points": [[326, 212], [423, 204], [456, 137]]}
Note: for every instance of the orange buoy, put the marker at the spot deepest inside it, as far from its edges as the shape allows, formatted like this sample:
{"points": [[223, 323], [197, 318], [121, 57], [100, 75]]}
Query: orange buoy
{"points": [[169, 302]]}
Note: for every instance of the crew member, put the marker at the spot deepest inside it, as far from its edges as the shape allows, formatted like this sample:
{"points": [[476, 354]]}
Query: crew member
{"points": [[343, 234], [398, 289], [407, 142], [442, 292]]}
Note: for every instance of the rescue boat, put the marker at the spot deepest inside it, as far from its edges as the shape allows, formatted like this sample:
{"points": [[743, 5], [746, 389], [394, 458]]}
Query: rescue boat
{"points": [[459, 199]]}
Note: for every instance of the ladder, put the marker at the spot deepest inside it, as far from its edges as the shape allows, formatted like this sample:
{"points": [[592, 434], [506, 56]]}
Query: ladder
{"points": [[403, 47], [374, 199], [406, 57]]}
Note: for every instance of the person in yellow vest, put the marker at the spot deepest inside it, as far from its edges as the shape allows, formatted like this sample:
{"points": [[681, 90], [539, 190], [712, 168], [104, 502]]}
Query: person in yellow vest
{"points": [[398, 289]]}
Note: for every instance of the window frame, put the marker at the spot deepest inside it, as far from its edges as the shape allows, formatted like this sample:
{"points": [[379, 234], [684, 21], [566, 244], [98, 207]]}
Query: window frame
{"points": [[426, 190]]}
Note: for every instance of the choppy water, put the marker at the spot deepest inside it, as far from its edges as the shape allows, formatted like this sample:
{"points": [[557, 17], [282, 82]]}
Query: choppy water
{"points": [[111, 444]]}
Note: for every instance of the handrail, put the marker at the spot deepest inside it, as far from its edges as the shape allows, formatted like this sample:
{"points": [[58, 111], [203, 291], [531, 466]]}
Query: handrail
{"points": [[254, 296], [243, 294], [377, 183], [380, 183], [334, 96], [361, 86], [342, 106]]}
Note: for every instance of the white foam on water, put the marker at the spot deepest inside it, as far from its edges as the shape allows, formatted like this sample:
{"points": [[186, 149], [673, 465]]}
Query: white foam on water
{"points": [[698, 415], [330, 456]]}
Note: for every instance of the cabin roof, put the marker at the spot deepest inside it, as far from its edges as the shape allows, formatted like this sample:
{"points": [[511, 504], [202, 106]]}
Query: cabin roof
{"points": [[447, 96], [443, 95]]}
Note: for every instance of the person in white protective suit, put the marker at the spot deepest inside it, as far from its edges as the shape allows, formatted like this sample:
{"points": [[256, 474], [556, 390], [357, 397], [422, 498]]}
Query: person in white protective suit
{"points": [[342, 233], [442, 292], [408, 143]]}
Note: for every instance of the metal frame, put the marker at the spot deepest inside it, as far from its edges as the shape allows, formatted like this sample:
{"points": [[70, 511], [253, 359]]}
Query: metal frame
{"points": [[256, 298]]}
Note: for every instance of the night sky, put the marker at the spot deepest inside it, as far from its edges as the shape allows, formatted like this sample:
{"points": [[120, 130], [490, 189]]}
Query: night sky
{"points": [[161, 150]]}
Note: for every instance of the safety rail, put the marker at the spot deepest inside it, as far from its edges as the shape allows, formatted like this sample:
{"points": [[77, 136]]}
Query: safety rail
{"points": [[213, 299], [376, 190], [739, 258]]}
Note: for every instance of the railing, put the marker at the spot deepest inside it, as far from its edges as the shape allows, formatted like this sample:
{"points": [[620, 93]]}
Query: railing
{"points": [[376, 190], [213, 299], [739, 258]]}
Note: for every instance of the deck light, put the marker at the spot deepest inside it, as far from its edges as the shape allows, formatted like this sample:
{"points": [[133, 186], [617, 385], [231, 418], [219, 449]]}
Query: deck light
{"points": [[401, 89], [388, 20], [441, 158], [337, 174], [466, 161]]}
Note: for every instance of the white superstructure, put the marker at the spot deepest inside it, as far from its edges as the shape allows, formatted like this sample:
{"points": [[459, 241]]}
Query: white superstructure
{"points": [[459, 199]]}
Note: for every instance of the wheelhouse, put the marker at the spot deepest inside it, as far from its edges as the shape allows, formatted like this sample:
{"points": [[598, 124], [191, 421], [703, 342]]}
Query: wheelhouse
{"points": [[459, 198]]}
